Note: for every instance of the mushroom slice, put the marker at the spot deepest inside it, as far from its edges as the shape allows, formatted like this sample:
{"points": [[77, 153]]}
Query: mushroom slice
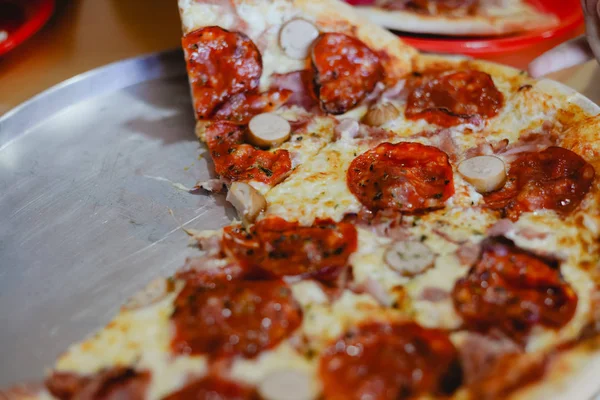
{"points": [[485, 173], [247, 201], [296, 38], [380, 114], [268, 130], [409, 258], [286, 385]]}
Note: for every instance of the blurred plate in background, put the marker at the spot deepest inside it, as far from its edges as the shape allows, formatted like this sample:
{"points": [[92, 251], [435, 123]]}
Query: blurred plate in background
{"points": [[19, 20], [568, 11]]}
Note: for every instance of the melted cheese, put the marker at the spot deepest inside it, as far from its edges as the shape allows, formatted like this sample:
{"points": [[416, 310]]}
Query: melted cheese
{"points": [[139, 338], [317, 188]]}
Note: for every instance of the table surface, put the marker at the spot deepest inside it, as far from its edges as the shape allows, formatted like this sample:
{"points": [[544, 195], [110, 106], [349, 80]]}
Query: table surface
{"points": [[84, 34]]}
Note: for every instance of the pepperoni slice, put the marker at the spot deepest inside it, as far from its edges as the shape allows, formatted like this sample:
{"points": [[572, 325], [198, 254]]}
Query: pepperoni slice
{"points": [[389, 361], [237, 161], [512, 290], [220, 64], [406, 177], [233, 317], [213, 388], [275, 248], [346, 71], [450, 98], [114, 383], [242, 107], [553, 179]]}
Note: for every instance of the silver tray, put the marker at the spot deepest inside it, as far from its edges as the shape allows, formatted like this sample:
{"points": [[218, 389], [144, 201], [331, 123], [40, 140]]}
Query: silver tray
{"points": [[85, 198]]}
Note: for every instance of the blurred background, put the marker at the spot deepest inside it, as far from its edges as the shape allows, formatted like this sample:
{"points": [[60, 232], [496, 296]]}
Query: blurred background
{"points": [[74, 36]]}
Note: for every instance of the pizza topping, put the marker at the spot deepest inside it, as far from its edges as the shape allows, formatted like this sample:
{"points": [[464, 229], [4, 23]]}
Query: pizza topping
{"points": [[511, 290], [242, 107], [286, 385], [485, 173], [406, 177], [276, 248], [389, 361], [348, 128], [220, 64], [296, 38], [468, 253], [213, 388], [247, 201], [375, 289], [268, 130], [346, 71], [553, 179], [237, 161], [480, 353], [380, 114], [113, 383], [221, 317], [301, 84], [409, 258], [454, 97]]}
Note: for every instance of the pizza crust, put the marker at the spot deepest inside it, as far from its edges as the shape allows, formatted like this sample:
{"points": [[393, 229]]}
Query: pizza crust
{"points": [[520, 19], [570, 374]]}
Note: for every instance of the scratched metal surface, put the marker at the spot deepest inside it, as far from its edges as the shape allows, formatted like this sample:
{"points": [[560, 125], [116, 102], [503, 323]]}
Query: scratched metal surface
{"points": [[84, 216]]}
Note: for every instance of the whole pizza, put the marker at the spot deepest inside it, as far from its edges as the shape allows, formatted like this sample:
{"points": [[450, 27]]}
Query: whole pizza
{"points": [[410, 226]]}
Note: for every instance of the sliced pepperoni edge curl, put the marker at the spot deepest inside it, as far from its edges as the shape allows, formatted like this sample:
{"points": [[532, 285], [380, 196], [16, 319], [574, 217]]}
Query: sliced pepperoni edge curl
{"points": [[274, 248], [390, 361], [405, 177], [238, 161], [346, 70], [212, 387], [113, 383], [553, 179], [224, 318], [512, 290], [449, 98], [220, 64]]}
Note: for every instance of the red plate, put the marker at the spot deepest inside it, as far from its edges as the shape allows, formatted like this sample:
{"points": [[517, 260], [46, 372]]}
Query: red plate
{"points": [[22, 19], [568, 11]]}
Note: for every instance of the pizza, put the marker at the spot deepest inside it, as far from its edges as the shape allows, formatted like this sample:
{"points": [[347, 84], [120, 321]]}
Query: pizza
{"points": [[410, 226], [460, 17]]}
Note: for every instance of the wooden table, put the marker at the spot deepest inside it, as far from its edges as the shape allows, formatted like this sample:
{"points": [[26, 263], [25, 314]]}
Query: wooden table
{"points": [[84, 34]]}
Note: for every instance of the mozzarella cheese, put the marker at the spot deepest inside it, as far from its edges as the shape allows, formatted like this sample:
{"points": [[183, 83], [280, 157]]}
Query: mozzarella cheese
{"points": [[139, 338]]}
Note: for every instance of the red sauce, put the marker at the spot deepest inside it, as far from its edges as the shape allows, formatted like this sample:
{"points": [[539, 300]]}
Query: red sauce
{"points": [[238, 161], [512, 290], [553, 179], [242, 107], [389, 361], [220, 64], [406, 177], [346, 71], [275, 248], [224, 318], [449, 98], [110, 384], [213, 388]]}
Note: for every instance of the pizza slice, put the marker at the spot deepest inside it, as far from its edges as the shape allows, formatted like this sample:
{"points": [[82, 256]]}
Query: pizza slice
{"points": [[266, 78], [460, 17]]}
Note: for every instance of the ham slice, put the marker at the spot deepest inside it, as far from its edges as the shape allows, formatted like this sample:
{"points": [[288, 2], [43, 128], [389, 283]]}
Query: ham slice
{"points": [[300, 83]]}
